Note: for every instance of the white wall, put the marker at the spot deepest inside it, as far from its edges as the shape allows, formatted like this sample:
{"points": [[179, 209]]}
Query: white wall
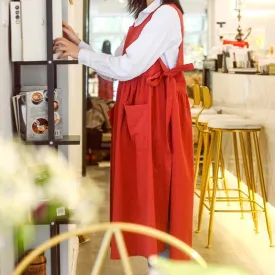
{"points": [[6, 256], [75, 18], [258, 14], [5, 72]]}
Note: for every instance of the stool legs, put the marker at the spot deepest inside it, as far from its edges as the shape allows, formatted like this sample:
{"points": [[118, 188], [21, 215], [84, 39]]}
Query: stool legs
{"points": [[198, 157], [224, 177], [205, 181], [203, 146], [238, 171], [215, 187], [263, 188], [248, 180], [246, 150], [252, 178], [205, 155]]}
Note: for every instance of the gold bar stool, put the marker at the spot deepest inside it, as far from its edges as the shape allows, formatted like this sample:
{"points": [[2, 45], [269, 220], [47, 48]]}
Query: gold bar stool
{"points": [[202, 150], [201, 107], [195, 110], [238, 128], [203, 141]]}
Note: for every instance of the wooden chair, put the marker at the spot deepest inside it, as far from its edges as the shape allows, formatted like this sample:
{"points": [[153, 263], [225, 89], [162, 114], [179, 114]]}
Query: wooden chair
{"points": [[201, 104], [112, 230]]}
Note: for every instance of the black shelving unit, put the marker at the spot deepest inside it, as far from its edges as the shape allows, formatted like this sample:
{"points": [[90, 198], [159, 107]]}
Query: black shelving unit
{"points": [[85, 83], [55, 62], [67, 140], [52, 67], [55, 251]]}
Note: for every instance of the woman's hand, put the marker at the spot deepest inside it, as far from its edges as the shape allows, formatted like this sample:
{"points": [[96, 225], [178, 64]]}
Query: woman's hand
{"points": [[70, 34], [66, 47]]}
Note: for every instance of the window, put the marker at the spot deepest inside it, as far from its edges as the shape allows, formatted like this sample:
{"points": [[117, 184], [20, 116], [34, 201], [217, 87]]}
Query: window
{"points": [[195, 38], [112, 28]]}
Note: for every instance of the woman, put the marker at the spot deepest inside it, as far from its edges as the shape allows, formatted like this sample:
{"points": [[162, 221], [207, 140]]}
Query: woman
{"points": [[106, 88], [152, 152]]}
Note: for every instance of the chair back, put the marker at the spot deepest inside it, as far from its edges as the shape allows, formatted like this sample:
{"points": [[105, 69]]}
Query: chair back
{"points": [[196, 95], [206, 97], [206, 104], [112, 230]]}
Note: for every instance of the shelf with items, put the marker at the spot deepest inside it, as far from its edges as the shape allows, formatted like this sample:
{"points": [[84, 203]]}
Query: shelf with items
{"points": [[36, 113], [51, 89], [50, 140], [66, 140]]}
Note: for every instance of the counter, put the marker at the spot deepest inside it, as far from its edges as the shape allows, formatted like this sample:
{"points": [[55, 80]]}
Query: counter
{"points": [[251, 96]]}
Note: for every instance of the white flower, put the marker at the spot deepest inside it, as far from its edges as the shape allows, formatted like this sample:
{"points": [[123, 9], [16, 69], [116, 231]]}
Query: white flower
{"points": [[30, 175], [9, 160], [91, 199]]}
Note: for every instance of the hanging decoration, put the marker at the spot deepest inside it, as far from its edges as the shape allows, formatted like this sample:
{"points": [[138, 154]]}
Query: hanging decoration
{"points": [[240, 35]]}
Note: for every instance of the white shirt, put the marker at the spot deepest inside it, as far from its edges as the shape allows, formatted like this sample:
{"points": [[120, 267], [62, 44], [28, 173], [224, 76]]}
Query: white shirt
{"points": [[161, 37]]}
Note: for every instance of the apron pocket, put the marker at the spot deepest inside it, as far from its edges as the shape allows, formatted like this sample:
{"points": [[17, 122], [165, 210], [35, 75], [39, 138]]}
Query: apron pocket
{"points": [[137, 117]]}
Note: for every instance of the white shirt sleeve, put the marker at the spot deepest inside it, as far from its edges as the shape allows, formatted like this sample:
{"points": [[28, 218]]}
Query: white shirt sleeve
{"points": [[160, 33], [83, 45], [118, 52]]}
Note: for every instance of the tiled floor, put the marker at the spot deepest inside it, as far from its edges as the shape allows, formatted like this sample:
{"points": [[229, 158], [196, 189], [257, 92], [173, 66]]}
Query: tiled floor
{"points": [[234, 241]]}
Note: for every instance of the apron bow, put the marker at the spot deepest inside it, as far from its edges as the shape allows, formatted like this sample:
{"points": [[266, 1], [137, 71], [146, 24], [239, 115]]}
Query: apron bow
{"points": [[156, 78], [171, 87]]}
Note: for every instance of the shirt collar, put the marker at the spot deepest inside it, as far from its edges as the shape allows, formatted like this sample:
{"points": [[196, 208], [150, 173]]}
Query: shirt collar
{"points": [[145, 13]]}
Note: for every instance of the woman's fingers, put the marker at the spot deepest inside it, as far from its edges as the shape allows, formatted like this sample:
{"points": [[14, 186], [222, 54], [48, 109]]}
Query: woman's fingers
{"points": [[66, 47], [66, 25], [61, 41], [71, 36], [66, 30], [60, 49], [66, 33], [56, 50], [64, 54]]}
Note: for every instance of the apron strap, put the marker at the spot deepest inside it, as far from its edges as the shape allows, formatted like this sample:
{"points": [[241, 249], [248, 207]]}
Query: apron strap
{"points": [[171, 87]]}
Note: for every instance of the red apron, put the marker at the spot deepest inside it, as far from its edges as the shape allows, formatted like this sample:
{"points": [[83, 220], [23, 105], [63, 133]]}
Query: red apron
{"points": [[152, 155]]}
